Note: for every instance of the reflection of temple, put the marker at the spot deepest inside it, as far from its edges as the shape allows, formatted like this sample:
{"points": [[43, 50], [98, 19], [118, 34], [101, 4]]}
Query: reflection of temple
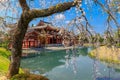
{"points": [[43, 33]]}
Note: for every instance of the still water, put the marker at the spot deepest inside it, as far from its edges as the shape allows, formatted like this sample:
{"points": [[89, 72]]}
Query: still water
{"points": [[71, 65]]}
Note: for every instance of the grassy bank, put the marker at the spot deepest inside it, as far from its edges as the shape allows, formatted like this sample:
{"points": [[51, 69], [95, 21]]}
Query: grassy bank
{"points": [[4, 64], [107, 54], [4, 61]]}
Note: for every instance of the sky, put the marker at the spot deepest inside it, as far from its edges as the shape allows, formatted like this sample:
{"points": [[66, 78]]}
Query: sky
{"points": [[96, 19], [95, 16]]}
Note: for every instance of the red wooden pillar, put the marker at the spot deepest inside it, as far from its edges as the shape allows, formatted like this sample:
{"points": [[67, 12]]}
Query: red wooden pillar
{"points": [[31, 43], [34, 43], [26, 44], [23, 45]]}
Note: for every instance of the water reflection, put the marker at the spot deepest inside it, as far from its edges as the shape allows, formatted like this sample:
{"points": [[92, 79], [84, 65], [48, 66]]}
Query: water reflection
{"points": [[83, 51], [72, 64], [43, 62]]}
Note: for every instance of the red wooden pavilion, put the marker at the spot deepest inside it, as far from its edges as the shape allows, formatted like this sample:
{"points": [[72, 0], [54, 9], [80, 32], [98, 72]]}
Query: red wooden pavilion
{"points": [[42, 34]]}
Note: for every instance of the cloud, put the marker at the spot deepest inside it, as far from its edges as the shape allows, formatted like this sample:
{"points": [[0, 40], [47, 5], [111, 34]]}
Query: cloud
{"points": [[59, 17], [67, 22]]}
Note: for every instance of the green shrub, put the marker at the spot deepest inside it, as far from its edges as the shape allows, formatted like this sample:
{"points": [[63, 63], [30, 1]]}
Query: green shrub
{"points": [[118, 45], [4, 44]]}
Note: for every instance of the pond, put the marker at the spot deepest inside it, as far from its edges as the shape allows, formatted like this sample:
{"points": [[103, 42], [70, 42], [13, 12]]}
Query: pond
{"points": [[71, 65]]}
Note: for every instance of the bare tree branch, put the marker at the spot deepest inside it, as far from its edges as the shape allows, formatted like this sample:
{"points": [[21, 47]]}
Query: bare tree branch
{"points": [[24, 5], [2, 4], [108, 12], [53, 9]]}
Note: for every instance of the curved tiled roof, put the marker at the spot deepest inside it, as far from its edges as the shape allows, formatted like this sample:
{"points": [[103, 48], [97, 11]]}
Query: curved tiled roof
{"points": [[43, 25]]}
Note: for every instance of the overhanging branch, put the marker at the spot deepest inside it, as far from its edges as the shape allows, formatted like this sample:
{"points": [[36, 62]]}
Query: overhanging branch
{"points": [[53, 9], [24, 5]]}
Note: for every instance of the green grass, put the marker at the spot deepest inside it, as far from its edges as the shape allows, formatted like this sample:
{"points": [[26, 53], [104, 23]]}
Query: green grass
{"points": [[4, 52], [4, 61]]}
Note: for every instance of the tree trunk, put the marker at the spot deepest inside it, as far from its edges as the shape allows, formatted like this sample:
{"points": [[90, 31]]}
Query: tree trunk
{"points": [[17, 46]]}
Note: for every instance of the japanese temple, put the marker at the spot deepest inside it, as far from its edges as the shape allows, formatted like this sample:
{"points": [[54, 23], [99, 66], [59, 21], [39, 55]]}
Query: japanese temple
{"points": [[42, 34]]}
